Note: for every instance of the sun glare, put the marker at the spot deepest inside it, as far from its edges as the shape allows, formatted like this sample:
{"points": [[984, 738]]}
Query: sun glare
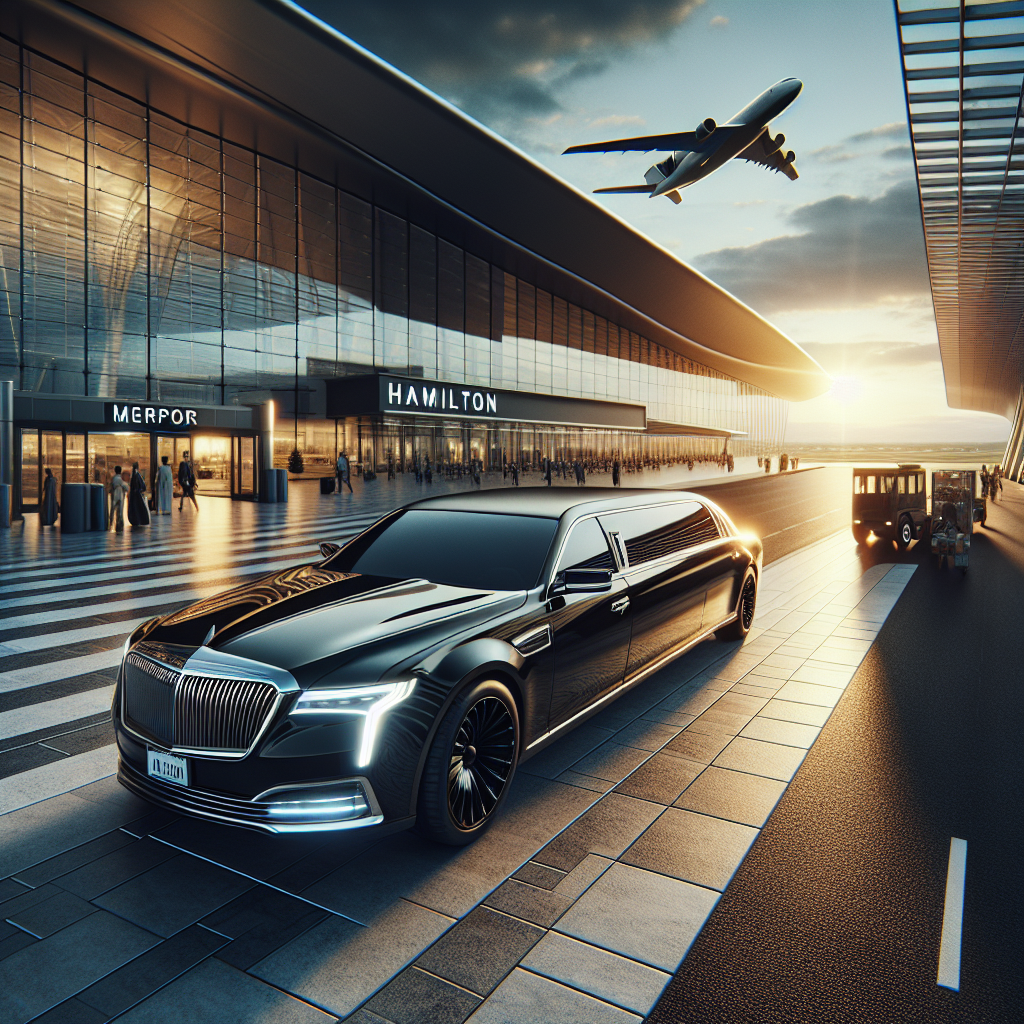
{"points": [[846, 390]]}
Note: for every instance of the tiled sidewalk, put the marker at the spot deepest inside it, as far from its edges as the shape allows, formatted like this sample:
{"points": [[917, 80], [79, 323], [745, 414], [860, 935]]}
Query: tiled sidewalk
{"points": [[578, 904]]}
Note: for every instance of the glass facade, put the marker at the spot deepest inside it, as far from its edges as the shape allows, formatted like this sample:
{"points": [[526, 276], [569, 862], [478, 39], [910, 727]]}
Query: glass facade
{"points": [[143, 258]]}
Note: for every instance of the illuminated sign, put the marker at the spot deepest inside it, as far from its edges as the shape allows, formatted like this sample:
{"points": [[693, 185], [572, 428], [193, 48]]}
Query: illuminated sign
{"points": [[417, 396], [150, 416]]}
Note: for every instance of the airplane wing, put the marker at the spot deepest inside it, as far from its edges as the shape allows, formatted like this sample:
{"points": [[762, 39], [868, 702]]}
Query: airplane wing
{"points": [[641, 144], [768, 153], [627, 188]]}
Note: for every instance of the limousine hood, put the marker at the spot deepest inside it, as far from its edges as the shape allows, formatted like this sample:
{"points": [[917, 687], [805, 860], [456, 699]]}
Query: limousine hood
{"points": [[310, 613]]}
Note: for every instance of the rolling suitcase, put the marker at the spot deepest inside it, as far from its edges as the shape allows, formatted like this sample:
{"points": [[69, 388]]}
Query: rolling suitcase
{"points": [[327, 485]]}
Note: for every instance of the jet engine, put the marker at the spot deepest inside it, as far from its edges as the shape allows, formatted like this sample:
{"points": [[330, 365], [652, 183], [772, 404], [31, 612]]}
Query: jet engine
{"points": [[773, 145], [705, 128], [790, 157]]}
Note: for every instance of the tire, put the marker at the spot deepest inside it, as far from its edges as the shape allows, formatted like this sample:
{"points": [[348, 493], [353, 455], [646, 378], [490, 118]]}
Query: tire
{"points": [[739, 628], [904, 533], [461, 793], [860, 533]]}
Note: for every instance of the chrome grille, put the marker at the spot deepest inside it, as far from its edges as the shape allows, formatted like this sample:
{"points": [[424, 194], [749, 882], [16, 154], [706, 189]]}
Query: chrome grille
{"points": [[194, 712], [221, 714], [149, 698]]}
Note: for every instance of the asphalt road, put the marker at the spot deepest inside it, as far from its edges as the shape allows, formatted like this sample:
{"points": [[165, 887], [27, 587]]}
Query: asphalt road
{"points": [[836, 914], [787, 510]]}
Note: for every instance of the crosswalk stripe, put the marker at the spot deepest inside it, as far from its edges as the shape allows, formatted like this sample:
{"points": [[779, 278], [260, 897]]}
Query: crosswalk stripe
{"points": [[51, 671], [66, 637], [55, 712], [56, 778]]}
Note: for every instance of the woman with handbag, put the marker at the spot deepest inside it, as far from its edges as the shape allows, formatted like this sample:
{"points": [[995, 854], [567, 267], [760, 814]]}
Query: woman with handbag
{"points": [[138, 512]]}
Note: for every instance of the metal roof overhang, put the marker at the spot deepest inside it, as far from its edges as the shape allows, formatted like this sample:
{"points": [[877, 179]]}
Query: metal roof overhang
{"points": [[963, 68], [266, 74]]}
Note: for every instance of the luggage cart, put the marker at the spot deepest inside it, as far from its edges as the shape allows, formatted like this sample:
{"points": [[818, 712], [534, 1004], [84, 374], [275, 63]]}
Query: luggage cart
{"points": [[955, 510]]}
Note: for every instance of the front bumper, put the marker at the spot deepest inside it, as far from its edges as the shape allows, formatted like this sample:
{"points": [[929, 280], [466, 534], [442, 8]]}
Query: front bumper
{"points": [[327, 807]]}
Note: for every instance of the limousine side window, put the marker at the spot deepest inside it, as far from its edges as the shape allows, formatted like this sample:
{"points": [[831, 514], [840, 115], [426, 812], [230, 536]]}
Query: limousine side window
{"points": [[586, 548], [651, 533]]}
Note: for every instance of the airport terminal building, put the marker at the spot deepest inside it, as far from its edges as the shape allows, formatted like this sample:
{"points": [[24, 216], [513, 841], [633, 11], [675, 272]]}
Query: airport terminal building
{"points": [[237, 232]]}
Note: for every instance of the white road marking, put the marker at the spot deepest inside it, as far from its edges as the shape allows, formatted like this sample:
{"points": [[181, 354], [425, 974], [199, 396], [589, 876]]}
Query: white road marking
{"points": [[56, 778], [953, 916], [51, 713]]}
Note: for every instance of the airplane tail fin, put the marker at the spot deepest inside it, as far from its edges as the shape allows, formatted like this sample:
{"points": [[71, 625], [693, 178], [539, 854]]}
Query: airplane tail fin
{"points": [[675, 197], [627, 188]]}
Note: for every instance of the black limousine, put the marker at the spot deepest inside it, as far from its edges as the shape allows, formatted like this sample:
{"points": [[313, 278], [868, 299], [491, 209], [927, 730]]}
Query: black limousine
{"points": [[402, 678]]}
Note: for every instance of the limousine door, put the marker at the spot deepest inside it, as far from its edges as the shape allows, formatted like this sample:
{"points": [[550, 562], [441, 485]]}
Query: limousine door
{"points": [[590, 630], [666, 577]]}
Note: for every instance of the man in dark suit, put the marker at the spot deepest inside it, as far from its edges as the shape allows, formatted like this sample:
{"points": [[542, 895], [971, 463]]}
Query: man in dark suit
{"points": [[187, 482]]}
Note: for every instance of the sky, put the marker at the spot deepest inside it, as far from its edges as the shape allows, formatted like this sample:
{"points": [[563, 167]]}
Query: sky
{"points": [[835, 260]]}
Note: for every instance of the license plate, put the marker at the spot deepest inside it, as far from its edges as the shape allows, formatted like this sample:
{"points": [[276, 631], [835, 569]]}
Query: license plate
{"points": [[167, 767]]}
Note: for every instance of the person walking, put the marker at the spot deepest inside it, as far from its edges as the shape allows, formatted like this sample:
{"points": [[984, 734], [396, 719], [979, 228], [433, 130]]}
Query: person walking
{"points": [[164, 487], [515, 474], [118, 490], [998, 471], [616, 473], [391, 466], [49, 509], [343, 472], [138, 511], [187, 482], [547, 472]]}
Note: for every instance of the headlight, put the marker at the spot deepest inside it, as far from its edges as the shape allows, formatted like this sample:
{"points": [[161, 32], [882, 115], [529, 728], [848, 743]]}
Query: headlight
{"points": [[369, 701]]}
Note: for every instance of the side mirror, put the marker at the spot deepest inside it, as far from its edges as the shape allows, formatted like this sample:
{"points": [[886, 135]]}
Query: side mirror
{"points": [[587, 580], [328, 548]]}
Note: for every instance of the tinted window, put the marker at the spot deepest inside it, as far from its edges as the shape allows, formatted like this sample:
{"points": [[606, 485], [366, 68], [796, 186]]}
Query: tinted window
{"points": [[586, 548], [858, 485], [651, 533], [902, 482], [871, 485], [462, 549]]}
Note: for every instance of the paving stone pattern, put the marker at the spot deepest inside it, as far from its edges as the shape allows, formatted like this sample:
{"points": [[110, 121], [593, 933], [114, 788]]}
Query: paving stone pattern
{"points": [[578, 905]]}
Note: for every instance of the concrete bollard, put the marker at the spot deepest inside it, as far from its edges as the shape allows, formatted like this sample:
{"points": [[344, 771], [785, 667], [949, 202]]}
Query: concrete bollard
{"points": [[5, 506], [73, 505], [98, 507], [282, 484]]}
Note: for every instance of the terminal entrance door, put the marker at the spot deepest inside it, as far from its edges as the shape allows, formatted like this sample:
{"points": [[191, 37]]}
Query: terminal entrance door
{"points": [[243, 463], [211, 455]]}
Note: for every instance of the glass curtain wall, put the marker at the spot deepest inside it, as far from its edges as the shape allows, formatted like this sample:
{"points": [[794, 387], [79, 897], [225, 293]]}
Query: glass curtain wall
{"points": [[143, 258]]}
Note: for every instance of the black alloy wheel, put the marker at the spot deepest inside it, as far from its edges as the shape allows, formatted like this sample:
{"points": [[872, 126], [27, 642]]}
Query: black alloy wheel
{"points": [[481, 762], [747, 599], [738, 629], [904, 534], [470, 764]]}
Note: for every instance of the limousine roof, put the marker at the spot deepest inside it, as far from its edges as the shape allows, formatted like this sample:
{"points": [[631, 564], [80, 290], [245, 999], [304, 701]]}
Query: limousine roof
{"points": [[551, 502]]}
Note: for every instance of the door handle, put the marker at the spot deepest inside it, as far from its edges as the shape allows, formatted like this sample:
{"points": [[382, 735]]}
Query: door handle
{"points": [[620, 605]]}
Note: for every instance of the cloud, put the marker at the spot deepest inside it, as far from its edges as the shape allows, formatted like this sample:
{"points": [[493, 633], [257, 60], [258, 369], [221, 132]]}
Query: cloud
{"points": [[859, 356], [892, 130], [850, 251], [618, 121], [853, 146], [493, 60], [719, 21], [897, 153]]}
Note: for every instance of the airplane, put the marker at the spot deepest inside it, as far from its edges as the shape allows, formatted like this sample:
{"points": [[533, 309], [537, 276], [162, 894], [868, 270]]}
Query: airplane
{"points": [[699, 153]]}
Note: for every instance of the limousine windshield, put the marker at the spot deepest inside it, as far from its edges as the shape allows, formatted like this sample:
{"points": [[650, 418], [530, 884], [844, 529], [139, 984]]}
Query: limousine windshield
{"points": [[478, 550]]}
